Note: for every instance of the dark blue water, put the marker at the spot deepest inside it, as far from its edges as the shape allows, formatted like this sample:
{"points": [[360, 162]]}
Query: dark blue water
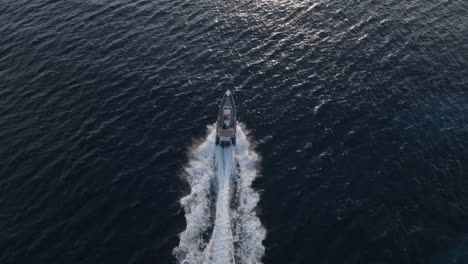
{"points": [[359, 111]]}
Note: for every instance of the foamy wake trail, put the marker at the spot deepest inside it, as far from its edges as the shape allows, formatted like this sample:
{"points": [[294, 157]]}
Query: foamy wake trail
{"points": [[222, 226]]}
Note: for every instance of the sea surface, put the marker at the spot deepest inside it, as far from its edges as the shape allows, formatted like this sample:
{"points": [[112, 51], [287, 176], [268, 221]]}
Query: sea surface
{"points": [[356, 113]]}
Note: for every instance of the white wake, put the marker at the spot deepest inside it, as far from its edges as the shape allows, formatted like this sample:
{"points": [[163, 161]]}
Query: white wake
{"points": [[222, 226]]}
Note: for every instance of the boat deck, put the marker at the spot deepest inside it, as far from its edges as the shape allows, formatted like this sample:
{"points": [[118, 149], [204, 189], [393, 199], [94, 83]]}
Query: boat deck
{"points": [[229, 131]]}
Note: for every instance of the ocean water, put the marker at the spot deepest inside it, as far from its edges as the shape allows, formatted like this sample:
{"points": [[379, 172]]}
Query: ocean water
{"points": [[354, 113]]}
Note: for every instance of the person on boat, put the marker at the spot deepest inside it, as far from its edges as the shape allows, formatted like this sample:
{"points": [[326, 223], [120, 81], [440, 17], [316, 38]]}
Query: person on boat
{"points": [[223, 121]]}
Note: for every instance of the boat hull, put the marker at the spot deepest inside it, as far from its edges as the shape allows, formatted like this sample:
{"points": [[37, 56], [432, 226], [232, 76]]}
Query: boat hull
{"points": [[226, 123]]}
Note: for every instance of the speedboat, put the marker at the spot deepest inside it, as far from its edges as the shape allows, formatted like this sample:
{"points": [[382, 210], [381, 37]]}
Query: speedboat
{"points": [[226, 122]]}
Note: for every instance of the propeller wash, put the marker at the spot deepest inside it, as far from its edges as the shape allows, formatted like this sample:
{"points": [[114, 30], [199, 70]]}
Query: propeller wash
{"points": [[222, 225]]}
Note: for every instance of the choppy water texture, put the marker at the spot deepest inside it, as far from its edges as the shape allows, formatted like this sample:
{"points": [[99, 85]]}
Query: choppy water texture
{"points": [[357, 108]]}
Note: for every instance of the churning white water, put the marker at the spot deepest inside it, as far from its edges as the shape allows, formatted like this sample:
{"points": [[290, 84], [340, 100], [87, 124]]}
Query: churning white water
{"points": [[222, 226]]}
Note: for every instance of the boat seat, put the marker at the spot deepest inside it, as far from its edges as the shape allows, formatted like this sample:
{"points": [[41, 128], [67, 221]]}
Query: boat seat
{"points": [[228, 132]]}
